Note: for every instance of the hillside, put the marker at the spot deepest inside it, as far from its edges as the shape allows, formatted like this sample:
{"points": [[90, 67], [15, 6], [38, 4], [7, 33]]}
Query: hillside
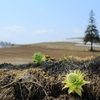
{"points": [[23, 53]]}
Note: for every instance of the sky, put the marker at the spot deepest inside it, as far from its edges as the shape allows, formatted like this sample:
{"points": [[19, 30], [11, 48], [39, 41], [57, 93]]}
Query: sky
{"points": [[35, 21]]}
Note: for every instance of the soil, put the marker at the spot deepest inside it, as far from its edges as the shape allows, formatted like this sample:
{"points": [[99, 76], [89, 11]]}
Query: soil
{"points": [[44, 81]]}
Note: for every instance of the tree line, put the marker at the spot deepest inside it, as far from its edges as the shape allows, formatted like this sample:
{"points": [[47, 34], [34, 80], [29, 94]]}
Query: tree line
{"points": [[4, 44]]}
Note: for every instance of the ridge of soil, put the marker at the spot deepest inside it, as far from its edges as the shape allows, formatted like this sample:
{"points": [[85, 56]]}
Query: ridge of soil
{"points": [[44, 81]]}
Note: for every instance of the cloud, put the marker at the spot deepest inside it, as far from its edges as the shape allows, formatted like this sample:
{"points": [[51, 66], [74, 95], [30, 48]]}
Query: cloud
{"points": [[78, 31], [42, 31], [19, 29], [51, 30]]}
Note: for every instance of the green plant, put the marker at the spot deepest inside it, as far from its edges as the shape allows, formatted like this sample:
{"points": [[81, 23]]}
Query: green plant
{"points": [[38, 58], [12, 45], [74, 81], [64, 57]]}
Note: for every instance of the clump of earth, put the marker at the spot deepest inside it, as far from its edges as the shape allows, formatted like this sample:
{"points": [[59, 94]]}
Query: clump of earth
{"points": [[44, 81]]}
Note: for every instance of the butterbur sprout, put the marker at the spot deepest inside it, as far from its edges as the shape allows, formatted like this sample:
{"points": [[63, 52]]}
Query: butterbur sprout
{"points": [[38, 58], [74, 81]]}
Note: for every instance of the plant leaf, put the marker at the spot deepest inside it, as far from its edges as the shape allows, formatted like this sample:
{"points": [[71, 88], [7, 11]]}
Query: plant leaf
{"points": [[70, 90], [78, 91]]}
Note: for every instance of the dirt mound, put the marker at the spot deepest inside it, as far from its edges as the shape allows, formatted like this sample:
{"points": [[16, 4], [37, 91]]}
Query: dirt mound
{"points": [[44, 81]]}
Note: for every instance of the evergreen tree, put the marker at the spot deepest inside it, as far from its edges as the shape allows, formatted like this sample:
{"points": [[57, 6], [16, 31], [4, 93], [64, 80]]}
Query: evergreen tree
{"points": [[91, 33]]}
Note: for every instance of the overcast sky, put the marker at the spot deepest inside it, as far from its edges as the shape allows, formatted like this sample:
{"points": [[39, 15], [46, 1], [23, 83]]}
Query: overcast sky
{"points": [[34, 21]]}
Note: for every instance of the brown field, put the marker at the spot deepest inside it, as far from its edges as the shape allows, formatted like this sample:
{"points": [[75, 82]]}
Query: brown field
{"points": [[23, 53]]}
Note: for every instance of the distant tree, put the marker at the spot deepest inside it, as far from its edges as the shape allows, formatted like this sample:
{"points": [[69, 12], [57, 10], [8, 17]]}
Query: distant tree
{"points": [[91, 33]]}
